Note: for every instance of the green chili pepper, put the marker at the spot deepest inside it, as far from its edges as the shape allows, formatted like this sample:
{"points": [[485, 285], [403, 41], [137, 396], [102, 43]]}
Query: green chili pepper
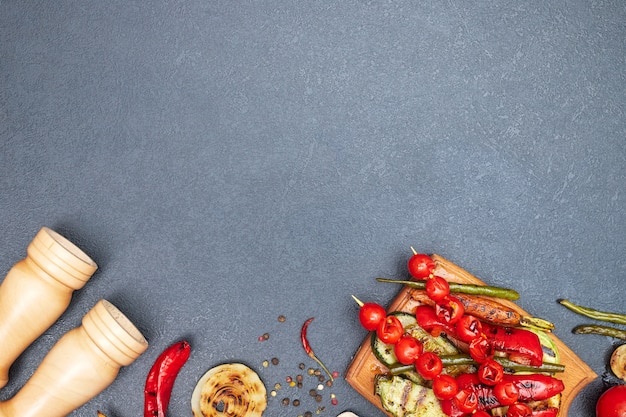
{"points": [[473, 289], [595, 314], [601, 330]]}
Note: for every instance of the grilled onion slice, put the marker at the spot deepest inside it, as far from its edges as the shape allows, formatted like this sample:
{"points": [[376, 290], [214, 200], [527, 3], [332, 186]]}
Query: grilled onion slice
{"points": [[229, 390]]}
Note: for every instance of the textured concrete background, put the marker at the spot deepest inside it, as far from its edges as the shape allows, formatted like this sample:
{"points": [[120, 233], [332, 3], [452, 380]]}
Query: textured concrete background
{"points": [[227, 162]]}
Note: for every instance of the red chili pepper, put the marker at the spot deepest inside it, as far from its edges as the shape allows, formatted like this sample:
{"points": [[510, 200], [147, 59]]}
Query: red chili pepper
{"points": [[523, 346], [161, 377], [307, 347]]}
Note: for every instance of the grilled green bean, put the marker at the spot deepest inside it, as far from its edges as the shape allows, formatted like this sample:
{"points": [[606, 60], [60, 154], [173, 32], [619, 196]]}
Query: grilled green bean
{"points": [[601, 330], [462, 288], [595, 314]]}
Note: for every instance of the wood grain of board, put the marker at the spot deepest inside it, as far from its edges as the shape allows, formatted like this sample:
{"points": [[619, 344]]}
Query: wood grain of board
{"points": [[364, 365]]}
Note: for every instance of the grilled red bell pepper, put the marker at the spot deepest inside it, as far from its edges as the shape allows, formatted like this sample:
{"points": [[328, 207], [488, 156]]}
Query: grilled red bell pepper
{"points": [[161, 377], [522, 346], [546, 412], [531, 387], [535, 386]]}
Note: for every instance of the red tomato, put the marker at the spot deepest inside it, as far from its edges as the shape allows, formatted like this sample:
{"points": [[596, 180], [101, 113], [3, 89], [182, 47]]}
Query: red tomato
{"points": [[390, 330], [481, 413], [480, 349], [506, 392], [468, 328], [519, 410], [490, 372], [420, 266], [370, 315], [437, 288], [407, 349], [445, 387], [612, 403], [466, 400], [450, 309], [429, 365]]}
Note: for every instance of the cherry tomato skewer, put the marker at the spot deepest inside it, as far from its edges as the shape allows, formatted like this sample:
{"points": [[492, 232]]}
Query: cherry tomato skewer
{"points": [[370, 314]]}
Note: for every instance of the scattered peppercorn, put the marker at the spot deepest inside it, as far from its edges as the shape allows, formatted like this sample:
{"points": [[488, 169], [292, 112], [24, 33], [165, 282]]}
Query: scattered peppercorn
{"points": [[308, 414], [302, 366], [275, 361], [296, 403], [282, 318], [286, 401]]}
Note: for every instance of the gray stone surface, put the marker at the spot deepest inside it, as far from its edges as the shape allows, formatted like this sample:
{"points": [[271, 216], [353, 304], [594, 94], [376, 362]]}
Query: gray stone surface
{"points": [[225, 163]]}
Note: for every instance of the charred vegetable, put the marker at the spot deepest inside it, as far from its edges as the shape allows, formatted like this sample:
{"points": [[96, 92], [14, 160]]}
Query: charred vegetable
{"points": [[404, 398], [594, 314], [618, 362], [474, 289], [230, 389]]}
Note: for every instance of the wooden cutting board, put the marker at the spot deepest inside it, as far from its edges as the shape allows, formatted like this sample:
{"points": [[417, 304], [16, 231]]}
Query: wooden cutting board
{"points": [[364, 365]]}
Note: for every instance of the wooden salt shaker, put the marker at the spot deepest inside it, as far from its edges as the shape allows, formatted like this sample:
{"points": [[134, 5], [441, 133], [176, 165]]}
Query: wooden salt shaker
{"points": [[79, 366], [36, 291]]}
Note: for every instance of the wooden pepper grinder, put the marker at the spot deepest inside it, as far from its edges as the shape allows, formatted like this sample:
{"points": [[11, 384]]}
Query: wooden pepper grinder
{"points": [[36, 291], [79, 366]]}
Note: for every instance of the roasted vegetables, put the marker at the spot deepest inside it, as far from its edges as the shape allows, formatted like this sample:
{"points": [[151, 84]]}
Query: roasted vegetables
{"points": [[484, 346]]}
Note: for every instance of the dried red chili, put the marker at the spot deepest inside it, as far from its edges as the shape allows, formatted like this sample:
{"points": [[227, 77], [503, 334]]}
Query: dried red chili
{"points": [[307, 347], [161, 377]]}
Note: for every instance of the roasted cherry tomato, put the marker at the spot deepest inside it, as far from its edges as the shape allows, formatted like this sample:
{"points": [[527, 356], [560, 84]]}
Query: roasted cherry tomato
{"points": [[450, 309], [370, 315], [490, 372], [420, 266], [390, 330], [481, 413], [408, 349], [445, 387], [429, 365], [480, 349], [520, 410], [506, 392], [612, 403], [466, 400], [468, 328], [437, 288]]}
